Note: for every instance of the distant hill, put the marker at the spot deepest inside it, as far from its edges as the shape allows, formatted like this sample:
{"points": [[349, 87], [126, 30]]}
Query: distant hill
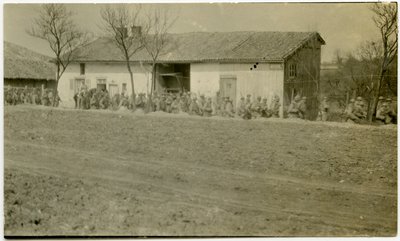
{"points": [[22, 63]]}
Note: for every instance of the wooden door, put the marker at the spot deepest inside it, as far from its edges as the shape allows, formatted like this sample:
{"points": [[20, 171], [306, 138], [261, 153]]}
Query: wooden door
{"points": [[113, 89], [228, 88]]}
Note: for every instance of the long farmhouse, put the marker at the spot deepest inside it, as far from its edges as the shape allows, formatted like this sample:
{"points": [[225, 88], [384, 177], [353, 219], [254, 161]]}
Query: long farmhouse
{"points": [[235, 63]]}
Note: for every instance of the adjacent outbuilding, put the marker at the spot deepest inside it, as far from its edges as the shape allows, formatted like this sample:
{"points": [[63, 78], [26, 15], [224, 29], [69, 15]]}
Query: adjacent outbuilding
{"points": [[24, 67]]}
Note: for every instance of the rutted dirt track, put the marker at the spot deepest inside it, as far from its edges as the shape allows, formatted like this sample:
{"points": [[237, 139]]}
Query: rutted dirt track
{"points": [[73, 172]]}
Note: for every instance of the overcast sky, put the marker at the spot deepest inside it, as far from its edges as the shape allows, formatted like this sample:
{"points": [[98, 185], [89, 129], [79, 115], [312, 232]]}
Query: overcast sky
{"points": [[343, 25]]}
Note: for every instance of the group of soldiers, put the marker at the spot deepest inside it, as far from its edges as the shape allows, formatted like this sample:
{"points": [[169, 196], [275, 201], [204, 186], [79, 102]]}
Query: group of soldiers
{"points": [[36, 96], [386, 111], [218, 105], [183, 102]]}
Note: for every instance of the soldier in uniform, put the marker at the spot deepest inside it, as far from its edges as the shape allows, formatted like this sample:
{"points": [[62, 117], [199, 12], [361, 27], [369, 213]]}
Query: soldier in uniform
{"points": [[293, 110], [168, 103], [382, 114], [201, 102], [359, 110], [381, 100], [274, 107], [45, 98], [256, 107], [194, 108], [392, 105], [51, 98], [175, 106], [207, 109], [57, 100], [303, 108], [241, 107], [264, 108], [229, 111]]}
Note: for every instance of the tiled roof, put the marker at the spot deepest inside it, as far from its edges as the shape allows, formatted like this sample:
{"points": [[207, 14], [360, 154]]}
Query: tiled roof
{"points": [[210, 47]]}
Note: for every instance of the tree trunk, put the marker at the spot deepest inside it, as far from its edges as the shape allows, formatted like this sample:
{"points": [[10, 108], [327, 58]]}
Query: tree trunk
{"points": [[377, 92], [57, 81], [131, 76], [149, 105]]}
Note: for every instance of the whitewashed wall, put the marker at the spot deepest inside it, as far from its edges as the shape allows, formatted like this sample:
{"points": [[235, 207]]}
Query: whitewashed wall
{"points": [[113, 73], [266, 80]]}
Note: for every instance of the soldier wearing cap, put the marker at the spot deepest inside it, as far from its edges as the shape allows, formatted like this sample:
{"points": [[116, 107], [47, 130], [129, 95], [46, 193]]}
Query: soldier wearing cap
{"points": [[194, 108], [175, 106], [229, 111], [392, 106], [324, 109], [264, 108], [293, 110], [168, 103], [359, 110], [382, 114], [207, 109], [274, 107], [256, 107], [381, 99], [241, 107], [303, 107]]}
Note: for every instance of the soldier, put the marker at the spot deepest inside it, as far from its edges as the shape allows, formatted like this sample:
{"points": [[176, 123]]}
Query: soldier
{"points": [[175, 106], [194, 108], [274, 107], [358, 110], [324, 109], [256, 107], [381, 100], [241, 107], [45, 98], [51, 98], [228, 111], [303, 108], [104, 101], [264, 108], [382, 114], [57, 100], [168, 103], [183, 103], [93, 102], [392, 105], [201, 102], [293, 110], [207, 109]]}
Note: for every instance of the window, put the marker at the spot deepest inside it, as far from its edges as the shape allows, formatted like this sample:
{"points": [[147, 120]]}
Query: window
{"points": [[292, 70], [82, 67], [124, 88]]}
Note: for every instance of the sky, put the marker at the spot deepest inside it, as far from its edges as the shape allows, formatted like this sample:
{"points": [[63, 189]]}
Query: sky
{"points": [[344, 26]]}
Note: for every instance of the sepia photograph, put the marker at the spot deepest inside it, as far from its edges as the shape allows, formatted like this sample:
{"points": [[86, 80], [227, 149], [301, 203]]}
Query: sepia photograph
{"points": [[264, 119]]}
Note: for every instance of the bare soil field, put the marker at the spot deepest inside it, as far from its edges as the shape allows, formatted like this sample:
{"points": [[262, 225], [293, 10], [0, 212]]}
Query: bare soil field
{"points": [[71, 172]]}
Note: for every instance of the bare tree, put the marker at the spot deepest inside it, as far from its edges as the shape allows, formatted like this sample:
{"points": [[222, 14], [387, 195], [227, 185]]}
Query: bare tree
{"points": [[123, 26], [385, 19], [55, 25], [159, 23]]}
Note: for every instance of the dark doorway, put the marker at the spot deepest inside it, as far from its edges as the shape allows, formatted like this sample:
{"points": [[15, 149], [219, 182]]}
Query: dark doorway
{"points": [[173, 78], [101, 86]]}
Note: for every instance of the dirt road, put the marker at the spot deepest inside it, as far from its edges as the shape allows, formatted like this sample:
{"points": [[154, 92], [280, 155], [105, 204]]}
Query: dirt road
{"points": [[73, 172]]}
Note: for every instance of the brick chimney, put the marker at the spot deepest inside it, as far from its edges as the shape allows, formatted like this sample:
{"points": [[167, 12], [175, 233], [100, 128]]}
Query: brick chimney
{"points": [[136, 30], [123, 31]]}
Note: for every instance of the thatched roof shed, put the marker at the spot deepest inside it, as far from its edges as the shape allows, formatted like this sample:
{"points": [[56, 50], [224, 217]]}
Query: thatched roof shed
{"points": [[22, 63]]}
